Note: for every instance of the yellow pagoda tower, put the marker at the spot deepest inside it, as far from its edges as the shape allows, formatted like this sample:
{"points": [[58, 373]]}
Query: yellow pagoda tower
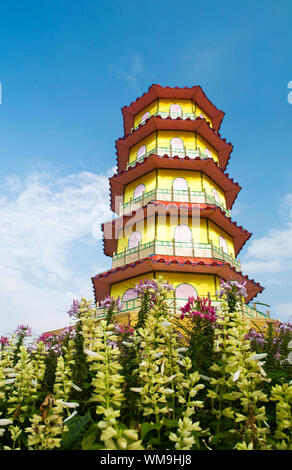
{"points": [[172, 197]]}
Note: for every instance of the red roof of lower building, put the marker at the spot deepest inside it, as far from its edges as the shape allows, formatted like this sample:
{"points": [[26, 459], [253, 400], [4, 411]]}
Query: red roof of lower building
{"points": [[102, 282]]}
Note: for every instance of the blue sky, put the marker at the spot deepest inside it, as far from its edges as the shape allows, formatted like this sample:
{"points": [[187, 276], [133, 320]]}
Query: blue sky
{"points": [[67, 69]]}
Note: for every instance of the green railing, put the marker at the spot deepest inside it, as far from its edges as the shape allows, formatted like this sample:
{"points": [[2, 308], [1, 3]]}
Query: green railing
{"points": [[178, 195], [173, 248], [166, 114], [180, 152], [133, 306]]}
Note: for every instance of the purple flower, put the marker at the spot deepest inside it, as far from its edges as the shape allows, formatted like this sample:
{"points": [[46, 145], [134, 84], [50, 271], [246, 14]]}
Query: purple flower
{"points": [[110, 302], [74, 309], [23, 330]]}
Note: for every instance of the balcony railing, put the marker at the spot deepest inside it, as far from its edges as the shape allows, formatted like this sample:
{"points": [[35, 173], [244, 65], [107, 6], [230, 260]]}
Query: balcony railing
{"points": [[178, 195], [173, 248], [171, 151], [166, 114], [133, 306]]}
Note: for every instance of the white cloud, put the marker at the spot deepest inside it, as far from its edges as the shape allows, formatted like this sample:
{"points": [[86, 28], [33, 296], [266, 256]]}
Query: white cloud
{"points": [[272, 254], [269, 258], [43, 218], [284, 312]]}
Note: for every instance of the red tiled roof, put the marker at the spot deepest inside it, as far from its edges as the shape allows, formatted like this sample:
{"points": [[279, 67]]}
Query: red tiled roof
{"points": [[155, 91], [102, 282]]}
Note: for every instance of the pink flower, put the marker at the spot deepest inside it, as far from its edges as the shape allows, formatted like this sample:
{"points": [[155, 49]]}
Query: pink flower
{"points": [[4, 340], [23, 330]]}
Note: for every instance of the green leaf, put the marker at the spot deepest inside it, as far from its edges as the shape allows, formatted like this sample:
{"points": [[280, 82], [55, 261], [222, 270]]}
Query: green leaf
{"points": [[89, 437], [147, 427], [75, 427], [170, 423]]}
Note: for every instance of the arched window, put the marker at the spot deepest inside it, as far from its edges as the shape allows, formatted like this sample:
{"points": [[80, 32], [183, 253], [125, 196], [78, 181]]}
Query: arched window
{"points": [[139, 190], [144, 117], [177, 146], [130, 294], [180, 184], [184, 291], [175, 111], [223, 244], [134, 239], [183, 233], [215, 195], [176, 143], [141, 152]]}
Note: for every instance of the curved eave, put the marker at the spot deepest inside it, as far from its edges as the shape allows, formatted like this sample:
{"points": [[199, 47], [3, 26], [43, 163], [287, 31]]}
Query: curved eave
{"points": [[208, 211], [102, 282], [154, 92], [207, 166], [155, 123]]}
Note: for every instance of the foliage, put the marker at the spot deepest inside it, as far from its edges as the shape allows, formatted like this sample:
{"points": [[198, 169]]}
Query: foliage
{"points": [[202, 379]]}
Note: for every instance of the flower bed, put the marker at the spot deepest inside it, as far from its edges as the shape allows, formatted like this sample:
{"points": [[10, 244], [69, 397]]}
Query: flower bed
{"points": [[200, 380]]}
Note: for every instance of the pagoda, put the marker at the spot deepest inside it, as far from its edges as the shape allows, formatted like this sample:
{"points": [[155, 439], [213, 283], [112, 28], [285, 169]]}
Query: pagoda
{"points": [[172, 197]]}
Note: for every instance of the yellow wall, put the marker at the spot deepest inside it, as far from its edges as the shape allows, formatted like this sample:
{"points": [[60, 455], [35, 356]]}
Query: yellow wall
{"points": [[203, 231], [214, 234], [196, 180], [145, 227], [119, 288], [150, 143], [163, 106], [166, 177], [187, 105], [164, 138], [200, 111], [203, 283], [201, 144], [149, 180], [151, 108], [208, 184]]}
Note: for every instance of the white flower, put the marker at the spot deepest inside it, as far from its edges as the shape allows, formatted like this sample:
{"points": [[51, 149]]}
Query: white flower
{"points": [[182, 349], [135, 389], [236, 376], [77, 388], [170, 378], [5, 422], [167, 391], [256, 357], [70, 416], [162, 368], [9, 381], [159, 354], [289, 358], [126, 343], [68, 404], [93, 354], [290, 344], [205, 377], [165, 323]]}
